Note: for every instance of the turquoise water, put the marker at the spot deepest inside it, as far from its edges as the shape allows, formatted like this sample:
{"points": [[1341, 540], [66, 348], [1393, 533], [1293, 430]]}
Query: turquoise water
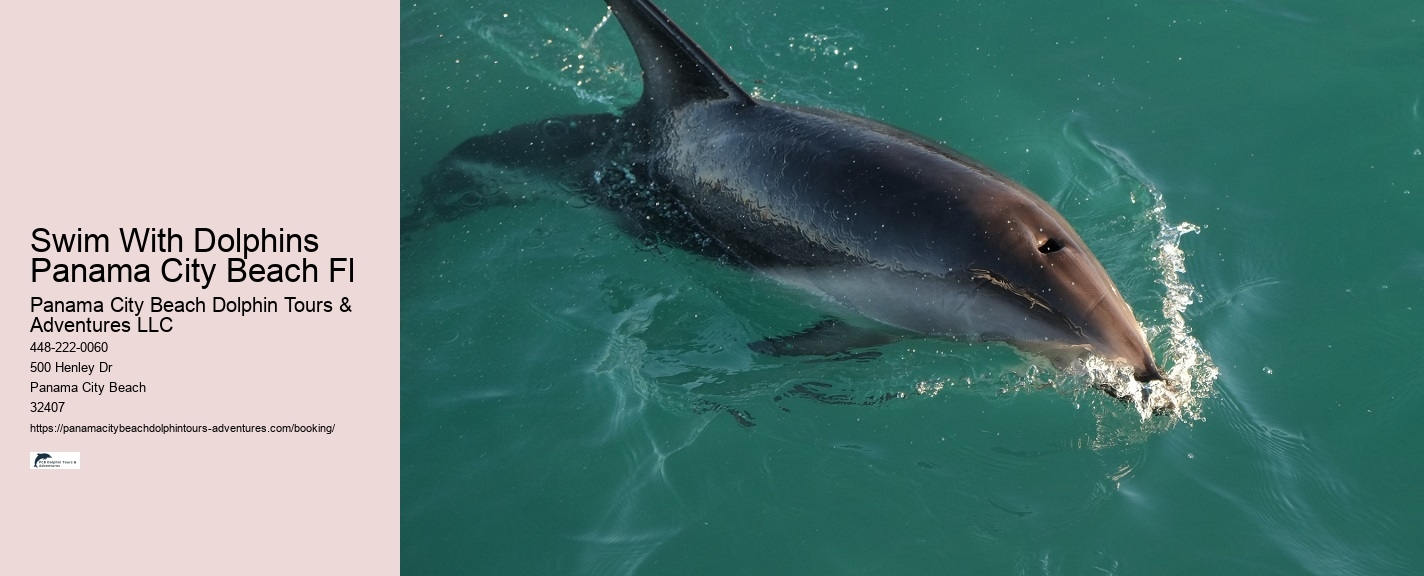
{"points": [[1249, 172]]}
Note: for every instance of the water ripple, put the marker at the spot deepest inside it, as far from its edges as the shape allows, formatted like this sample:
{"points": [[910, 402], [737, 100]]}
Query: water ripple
{"points": [[1300, 499]]}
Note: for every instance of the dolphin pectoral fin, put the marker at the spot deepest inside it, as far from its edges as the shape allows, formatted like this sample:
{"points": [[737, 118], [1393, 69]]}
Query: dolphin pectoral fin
{"points": [[830, 337]]}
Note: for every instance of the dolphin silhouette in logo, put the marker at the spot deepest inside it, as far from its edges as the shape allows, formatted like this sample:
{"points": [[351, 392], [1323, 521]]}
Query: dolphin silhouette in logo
{"points": [[898, 234], [38, 457]]}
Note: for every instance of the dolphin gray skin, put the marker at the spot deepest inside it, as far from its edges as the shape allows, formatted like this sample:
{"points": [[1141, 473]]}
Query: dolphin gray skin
{"points": [[887, 226]]}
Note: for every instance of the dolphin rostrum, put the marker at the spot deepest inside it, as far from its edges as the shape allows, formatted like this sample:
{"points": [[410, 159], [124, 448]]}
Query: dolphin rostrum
{"points": [[892, 229]]}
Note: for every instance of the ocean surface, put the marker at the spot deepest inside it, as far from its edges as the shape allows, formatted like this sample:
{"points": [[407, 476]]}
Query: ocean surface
{"points": [[578, 401]]}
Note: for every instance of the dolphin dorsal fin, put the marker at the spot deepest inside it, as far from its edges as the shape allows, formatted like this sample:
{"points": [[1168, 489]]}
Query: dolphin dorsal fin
{"points": [[675, 70]]}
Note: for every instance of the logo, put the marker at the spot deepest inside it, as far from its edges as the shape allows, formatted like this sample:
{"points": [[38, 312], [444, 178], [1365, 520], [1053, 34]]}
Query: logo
{"points": [[54, 460]]}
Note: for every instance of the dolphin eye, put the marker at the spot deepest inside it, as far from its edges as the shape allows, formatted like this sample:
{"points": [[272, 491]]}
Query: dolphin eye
{"points": [[1050, 246]]}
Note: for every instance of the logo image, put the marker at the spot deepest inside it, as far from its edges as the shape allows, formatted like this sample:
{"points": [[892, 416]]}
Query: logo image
{"points": [[54, 460]]}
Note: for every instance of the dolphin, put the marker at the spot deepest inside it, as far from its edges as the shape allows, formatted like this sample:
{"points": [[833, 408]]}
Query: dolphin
{"points": [[899, 234]]}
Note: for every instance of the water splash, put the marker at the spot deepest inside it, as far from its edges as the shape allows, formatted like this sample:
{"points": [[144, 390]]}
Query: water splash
{"points": [[562, 55], [1113, 197], [828, 50], [1190, 372], [1188, 367]]}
